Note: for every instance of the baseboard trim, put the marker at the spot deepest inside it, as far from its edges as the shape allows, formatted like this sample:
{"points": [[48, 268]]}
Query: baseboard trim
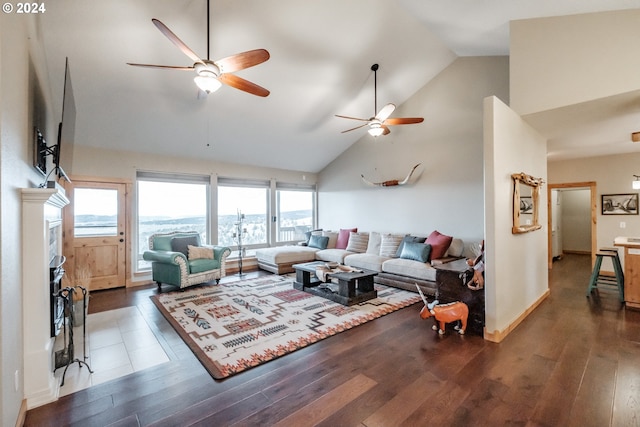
{"points": [[564, 251], [22, 415], [498, 336]]}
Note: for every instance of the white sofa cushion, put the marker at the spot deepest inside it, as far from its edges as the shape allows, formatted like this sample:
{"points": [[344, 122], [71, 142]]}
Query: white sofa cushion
{"points": [[333, 238], [389, 244], [332, 255], [286, 254], [456, 248], [366, 261], [410, 268], [358, 242], [373, 247]]}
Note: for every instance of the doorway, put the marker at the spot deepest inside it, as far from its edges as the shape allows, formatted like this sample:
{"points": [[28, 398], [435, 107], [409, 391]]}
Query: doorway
{"points": [[555, 212], [95, 233]]}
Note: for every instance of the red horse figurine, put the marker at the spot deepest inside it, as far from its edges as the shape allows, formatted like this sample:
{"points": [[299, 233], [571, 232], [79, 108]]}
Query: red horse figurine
{"points": [[445, 313]]}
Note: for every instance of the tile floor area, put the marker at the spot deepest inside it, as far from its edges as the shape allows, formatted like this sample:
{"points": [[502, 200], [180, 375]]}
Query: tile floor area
{"points": [[119, 342]]}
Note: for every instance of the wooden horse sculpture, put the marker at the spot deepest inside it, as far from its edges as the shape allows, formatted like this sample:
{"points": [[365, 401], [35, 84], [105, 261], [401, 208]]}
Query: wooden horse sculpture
{"points": [[445, 313]]}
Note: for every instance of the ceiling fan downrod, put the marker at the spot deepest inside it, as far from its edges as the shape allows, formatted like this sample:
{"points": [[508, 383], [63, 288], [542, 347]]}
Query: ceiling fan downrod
{"points": [[208, 34], [374, 68]]}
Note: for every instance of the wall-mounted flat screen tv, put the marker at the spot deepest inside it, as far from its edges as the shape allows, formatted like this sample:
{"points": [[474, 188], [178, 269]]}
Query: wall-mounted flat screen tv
{"points": [[63, 155]]}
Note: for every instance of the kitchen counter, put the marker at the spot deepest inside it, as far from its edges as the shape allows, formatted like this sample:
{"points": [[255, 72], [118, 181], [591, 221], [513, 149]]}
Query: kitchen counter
{"points": [[631, 261]]}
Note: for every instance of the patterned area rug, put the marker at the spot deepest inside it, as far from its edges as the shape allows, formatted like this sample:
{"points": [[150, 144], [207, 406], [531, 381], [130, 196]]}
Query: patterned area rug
{"points": [[235, 326]]}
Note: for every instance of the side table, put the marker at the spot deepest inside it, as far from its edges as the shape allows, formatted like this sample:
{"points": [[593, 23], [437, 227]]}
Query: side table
{"points": [[451, 282]]}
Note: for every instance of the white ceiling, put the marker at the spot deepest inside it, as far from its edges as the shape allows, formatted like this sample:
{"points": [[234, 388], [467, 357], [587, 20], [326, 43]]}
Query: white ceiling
{"points": [[321, 54]]}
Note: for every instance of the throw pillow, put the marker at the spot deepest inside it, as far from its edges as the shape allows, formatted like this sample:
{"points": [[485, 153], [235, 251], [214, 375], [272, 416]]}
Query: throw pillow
{"points": [[308, 234], [373, 247], [343, 237], [358, 242], [389, 245], [416, 251], [409, 239], [199, 252], [319, 242], [439, 244], [333, 238], [180, 244]]}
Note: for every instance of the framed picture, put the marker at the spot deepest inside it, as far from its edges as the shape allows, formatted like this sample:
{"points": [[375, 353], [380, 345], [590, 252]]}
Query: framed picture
{"points": [[526, 205], [620, 204], [39, 152]]}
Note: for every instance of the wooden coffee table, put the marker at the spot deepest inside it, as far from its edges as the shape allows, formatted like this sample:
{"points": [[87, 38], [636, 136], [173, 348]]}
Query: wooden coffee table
{"points": [[352, 288]]}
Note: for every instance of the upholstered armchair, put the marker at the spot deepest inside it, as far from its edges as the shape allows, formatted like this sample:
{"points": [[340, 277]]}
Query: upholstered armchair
{"points": [[179, 259]]}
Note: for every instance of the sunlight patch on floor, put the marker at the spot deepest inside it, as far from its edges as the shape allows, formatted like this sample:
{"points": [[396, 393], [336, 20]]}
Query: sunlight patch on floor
{"points": [[119, 342]]}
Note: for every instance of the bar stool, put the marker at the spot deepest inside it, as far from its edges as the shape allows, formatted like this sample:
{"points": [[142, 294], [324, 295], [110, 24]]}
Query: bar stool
{"points": [[607, 281]]}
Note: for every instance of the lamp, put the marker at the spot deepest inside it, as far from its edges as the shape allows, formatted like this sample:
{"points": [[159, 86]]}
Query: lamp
{"points": [[636, 182], [208, 83], [375, 129]]}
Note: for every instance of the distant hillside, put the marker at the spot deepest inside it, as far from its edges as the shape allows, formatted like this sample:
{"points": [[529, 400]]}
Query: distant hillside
{"points": [[164, 220]]}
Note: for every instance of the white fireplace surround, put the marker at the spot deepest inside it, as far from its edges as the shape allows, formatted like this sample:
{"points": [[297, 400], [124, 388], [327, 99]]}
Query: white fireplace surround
{"points": [[41, 208]]}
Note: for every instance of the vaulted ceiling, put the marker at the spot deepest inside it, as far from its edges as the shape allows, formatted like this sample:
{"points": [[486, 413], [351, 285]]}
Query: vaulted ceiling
{"points": [[321, 54]]}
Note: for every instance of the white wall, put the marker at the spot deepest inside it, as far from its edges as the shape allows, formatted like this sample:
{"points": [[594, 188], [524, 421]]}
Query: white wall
{"points": [[566, 60], [447, 190], [92, 161], [516, 275], [18, 43], [613, 175]]}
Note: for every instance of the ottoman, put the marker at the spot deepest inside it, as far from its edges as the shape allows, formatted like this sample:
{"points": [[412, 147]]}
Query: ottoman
{"points": [[279, 260]]}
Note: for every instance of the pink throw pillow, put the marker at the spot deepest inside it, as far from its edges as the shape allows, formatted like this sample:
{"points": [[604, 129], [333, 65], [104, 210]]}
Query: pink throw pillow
{"points": [[343, 237], [439, 244]]}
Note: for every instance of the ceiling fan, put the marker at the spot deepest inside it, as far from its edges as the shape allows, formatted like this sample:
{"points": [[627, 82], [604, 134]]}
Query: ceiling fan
{"points": [[379, 124], [212, 74]]}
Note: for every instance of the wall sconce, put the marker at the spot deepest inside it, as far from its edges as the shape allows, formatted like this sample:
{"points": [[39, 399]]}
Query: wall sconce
{"points": [[636, 182]]}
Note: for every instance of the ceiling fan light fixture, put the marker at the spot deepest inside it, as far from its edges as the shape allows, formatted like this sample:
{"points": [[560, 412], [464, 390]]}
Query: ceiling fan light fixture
{"points": [[208, 83], [375, 129]]}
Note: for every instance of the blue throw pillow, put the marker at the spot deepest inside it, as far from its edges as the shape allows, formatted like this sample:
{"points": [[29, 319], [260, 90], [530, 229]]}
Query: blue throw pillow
{"points": [[416, 251], [319, 242], [409, 239], [307, 235]]}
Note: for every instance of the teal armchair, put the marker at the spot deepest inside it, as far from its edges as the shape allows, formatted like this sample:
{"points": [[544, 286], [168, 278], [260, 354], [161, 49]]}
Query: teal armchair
{"points": [[171, 263]]}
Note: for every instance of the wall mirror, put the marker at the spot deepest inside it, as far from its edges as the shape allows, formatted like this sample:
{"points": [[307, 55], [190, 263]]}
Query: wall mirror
{"points": [[526, 201]]}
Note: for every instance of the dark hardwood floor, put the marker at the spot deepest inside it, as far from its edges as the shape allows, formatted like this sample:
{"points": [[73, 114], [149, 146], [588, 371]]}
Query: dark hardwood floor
{"points": [[575, 361]]}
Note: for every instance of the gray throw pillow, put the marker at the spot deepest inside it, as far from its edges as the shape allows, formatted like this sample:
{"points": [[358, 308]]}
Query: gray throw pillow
{"points": [[319, 242], [181, 244], [416, 251]]}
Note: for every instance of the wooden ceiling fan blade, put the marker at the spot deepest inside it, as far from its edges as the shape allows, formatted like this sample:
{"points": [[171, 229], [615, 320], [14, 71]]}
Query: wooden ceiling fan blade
{"points": [[243, 84], [243, 60], [176, 41], [352, 118], [357, 127], [386, 131], [385, 112], [403, 121], [166, 67]]}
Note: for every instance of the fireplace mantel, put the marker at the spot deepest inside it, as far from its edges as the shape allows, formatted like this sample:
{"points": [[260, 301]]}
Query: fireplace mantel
{"points": [[41, 207]]}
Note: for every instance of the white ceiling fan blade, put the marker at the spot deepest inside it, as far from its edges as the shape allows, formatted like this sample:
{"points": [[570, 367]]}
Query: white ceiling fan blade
{"points": [[385, 112], [176, 41]]}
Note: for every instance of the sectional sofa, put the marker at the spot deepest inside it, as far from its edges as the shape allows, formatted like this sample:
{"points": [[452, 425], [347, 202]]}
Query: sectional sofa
{"points": [[401, 260]]}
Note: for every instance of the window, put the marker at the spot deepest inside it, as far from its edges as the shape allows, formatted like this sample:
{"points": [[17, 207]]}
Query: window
{"points": [[249, 198], [170, 202], [296, 210], [95, 212]]}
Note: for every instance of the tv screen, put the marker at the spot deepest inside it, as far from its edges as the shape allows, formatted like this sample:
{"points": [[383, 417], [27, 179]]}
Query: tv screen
{"points": [[63, 158]]}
